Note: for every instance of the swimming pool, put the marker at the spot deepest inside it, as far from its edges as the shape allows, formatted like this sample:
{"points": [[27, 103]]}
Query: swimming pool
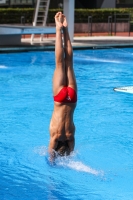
{"points": [[101, 167]]}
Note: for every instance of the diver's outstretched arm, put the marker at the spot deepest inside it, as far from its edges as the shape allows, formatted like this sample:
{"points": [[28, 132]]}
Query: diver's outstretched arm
{"points": [[52, 146], [71, 144]]}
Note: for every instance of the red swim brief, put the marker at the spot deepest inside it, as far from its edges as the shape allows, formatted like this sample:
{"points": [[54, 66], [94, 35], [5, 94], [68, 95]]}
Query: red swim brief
{"points": [[66, 95]]}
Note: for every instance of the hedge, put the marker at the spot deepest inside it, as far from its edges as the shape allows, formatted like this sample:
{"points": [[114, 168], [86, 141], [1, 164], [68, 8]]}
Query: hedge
{"points": [[101, 15], [13, 15]]}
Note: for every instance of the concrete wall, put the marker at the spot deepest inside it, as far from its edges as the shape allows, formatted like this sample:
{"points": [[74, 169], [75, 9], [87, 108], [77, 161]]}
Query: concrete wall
{"points": [[99, 27]]}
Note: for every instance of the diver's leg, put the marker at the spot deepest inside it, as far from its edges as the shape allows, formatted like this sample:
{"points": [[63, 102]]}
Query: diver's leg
{"points": [[59, 78], [71, 80]]}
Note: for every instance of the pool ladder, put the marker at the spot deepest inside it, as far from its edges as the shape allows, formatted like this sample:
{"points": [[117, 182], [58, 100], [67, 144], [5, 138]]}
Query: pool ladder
{"points": [[40, 15]]}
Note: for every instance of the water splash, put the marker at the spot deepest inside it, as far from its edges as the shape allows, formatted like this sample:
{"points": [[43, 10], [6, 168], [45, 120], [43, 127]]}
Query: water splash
{"points": [[77, 165], [68, 162], [42, 151], [96, 59], [3, 67], [102, 60], [72, 162]]}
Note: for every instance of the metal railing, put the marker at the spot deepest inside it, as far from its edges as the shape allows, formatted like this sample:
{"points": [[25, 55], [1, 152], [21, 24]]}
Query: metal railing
{"points": [[112, 21], [122, 18], [90, 25], [110, 25], [22, 20]]}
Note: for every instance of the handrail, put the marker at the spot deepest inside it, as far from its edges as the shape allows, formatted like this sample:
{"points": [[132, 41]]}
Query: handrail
{"points": [[110, 25], [117, 18], [90, 25]]}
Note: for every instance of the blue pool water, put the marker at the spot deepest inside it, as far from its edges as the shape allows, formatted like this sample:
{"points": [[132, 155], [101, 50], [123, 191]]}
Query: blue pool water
{"points": [[101, 167]]}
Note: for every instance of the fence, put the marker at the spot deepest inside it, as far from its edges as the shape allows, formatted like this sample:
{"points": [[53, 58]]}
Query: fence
{"points": [[112, 24]]}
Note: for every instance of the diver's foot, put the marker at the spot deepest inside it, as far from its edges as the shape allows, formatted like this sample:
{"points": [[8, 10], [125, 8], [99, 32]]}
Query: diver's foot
{"points": [[58, 20], [65, 24]]}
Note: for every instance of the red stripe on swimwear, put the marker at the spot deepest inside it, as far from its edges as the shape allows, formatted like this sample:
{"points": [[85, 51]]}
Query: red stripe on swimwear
{"points": [[66, 95]]}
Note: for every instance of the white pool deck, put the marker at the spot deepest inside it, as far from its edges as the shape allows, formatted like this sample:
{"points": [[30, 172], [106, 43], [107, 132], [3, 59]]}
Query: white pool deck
{"points": [[78, 43], [87, 41]]}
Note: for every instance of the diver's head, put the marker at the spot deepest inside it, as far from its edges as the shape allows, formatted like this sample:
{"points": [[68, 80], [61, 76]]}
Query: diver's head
{"points": [[62, 148]]}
